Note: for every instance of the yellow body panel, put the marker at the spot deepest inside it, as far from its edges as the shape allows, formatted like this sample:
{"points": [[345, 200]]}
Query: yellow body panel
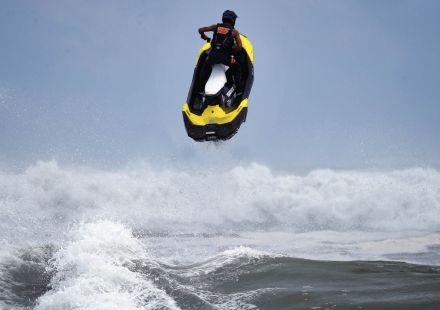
{"points": [[248, 47], [205, 47], [214, 114]]}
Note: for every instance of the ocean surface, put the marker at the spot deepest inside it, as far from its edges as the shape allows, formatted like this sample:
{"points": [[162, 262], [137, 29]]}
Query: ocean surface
{"points": [[246, 237]]}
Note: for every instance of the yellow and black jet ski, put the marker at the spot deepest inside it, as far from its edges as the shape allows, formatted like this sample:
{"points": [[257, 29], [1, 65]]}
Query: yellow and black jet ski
{"points": [[218, 111]]}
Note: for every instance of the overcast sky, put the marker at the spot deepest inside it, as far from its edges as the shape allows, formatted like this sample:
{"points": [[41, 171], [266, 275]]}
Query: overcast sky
{"points": [[338, 84]]}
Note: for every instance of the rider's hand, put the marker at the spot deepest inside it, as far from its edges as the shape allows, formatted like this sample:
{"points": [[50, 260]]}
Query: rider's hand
{"points": [[233, 61], [203, 36]]}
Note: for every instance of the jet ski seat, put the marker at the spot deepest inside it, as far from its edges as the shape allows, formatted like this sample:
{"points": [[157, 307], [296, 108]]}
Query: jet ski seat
{"points": [[217, 79]]}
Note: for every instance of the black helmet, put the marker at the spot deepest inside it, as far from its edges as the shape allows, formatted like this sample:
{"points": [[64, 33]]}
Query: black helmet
{"points": [[229, 16]]}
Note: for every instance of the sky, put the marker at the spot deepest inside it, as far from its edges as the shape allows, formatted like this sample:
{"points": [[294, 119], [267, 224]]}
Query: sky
{"points": [[338, 84]]}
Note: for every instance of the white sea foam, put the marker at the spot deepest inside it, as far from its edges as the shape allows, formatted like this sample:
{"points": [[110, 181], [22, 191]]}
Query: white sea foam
{"points": [[94, 271], [250, 202]]}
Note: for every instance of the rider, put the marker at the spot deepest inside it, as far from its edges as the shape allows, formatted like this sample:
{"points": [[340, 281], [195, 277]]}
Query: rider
{"points": [[225, 43]]}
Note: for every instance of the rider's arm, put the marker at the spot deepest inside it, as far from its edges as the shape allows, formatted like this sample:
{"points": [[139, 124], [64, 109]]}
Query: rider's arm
{"points": [[236, 36], [206, 29]]}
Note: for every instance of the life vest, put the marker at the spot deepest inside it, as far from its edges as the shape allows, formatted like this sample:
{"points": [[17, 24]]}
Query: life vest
{"points": [[222, 39]]}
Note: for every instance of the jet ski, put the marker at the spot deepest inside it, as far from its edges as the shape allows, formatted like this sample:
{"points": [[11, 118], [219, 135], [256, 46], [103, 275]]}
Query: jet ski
{"points": [[217, 112]]}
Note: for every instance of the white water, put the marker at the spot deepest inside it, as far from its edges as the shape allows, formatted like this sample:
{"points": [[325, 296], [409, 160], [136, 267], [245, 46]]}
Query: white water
{"points": [[102, 223], [92, 272]]}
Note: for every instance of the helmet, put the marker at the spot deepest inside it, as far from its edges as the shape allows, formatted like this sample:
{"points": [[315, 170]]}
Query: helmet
{"points": [[229, 16]]}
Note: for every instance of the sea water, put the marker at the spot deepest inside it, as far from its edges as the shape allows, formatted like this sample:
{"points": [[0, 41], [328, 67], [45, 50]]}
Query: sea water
{"points": [[245, 237]]}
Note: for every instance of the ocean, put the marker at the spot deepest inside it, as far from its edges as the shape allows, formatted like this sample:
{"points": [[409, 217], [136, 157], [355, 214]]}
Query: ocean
{"points": [[244, 237]]}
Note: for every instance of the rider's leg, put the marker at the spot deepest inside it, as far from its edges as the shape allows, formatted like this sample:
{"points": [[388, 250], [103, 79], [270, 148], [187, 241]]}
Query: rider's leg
{"points": [[238, 72], [205, 72]]}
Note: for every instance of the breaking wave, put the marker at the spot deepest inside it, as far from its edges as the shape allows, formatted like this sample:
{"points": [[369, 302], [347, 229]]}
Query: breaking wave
{"points": [[171, 238], [95, 271], [45, 198]]}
